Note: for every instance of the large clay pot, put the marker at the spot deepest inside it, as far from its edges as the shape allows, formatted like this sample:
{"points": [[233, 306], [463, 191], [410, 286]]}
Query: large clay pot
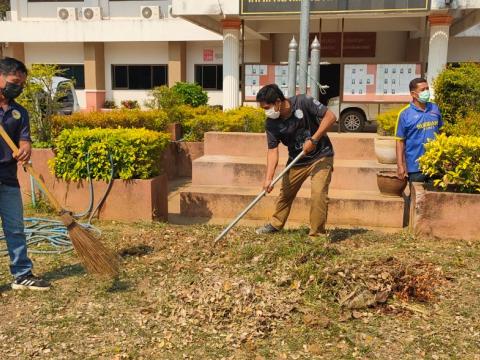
{"points": [[385, 149], [389, 184]]}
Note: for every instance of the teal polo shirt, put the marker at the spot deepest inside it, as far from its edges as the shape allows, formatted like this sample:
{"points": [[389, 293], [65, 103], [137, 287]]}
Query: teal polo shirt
{"points": [[416, 127]]}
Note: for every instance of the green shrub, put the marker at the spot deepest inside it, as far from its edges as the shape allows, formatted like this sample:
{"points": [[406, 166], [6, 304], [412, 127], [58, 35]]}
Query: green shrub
{"points": [[163, 97], [244, 119], [453, 163], [135, 153], [130, 104], [191, 94], [465, 126], [110, 104], [457, 91], [387, 121], [153, 120]]}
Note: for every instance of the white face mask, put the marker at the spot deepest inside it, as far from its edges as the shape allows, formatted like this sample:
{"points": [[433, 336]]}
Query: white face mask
{"points": [[272, 114]]}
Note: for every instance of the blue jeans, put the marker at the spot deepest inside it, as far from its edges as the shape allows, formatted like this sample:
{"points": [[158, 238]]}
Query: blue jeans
{"points": [[417, 177], [11, 213]]}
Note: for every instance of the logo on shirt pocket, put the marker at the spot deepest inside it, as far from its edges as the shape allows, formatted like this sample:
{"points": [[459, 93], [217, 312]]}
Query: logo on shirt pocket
{"points": [[16, 115], [299, 114]]}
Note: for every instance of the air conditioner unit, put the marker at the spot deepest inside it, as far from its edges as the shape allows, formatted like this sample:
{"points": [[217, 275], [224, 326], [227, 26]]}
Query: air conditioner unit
{"points": [[67, 13], [150, 12], [92, 13]]}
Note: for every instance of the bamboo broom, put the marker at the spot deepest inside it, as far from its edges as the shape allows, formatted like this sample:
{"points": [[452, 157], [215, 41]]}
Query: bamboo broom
{"points": [[93, 254]]}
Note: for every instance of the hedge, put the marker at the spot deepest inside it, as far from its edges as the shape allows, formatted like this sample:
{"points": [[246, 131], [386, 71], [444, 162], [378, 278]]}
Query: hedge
{"points": [[197, 122], [135, 152], [457, 91], [453, 162], [153, 120], [468, 125], [387, 121]]}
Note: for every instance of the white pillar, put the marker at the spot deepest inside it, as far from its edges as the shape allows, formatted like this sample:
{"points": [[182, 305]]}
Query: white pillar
{"points": [[438, 46], [231, 53]]}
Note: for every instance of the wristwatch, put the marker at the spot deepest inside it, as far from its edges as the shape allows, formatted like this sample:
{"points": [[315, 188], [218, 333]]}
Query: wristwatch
{"points": [[314, 142]]}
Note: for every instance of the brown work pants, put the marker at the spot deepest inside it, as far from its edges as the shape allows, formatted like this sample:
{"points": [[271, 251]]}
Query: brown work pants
{"points": [[321, 174]]}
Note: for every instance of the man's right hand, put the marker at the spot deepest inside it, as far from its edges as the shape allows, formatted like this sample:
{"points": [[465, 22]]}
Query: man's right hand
{"points": [[267, 186], [401, 172]]}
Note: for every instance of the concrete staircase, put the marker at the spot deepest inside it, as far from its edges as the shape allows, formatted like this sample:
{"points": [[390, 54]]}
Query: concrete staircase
{"points": [[231, 172]]}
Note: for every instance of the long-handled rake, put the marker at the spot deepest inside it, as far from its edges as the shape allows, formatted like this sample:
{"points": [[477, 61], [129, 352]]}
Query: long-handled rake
{"points": [[93, 254], [257, 199]]}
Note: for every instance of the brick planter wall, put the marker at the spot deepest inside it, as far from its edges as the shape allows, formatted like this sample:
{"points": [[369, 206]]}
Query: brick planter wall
{"points": [[131, 200], [444, 215]]}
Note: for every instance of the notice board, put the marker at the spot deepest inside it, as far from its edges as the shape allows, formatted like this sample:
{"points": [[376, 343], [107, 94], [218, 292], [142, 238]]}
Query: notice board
{"points": [[378, 82]]}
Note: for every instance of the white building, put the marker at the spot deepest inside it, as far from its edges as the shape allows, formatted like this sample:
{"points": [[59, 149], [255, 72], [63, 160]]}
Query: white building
{"points": [[119, 49]]}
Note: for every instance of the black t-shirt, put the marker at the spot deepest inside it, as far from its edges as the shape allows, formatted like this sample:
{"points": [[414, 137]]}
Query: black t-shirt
{"points": [[307, 113], [16, 123]]}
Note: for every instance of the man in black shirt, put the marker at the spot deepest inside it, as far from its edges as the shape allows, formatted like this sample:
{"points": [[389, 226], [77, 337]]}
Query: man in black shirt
{"points": [[14, 118], [300, 123]]}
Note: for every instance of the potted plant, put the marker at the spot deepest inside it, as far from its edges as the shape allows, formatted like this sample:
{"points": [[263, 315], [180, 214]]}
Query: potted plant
{"points": [[385, 143]]}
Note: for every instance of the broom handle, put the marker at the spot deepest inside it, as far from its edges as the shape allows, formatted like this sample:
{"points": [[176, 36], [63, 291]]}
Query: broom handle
{"points": [[31, 171], [257, 199]]}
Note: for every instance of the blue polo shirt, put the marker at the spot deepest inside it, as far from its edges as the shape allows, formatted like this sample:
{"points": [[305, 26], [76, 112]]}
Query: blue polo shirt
{"points": [[16, 123], [416, 127]]}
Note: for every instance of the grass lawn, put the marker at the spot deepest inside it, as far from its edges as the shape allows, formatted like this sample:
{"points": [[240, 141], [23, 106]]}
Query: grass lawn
{"points": [[362, 295]]}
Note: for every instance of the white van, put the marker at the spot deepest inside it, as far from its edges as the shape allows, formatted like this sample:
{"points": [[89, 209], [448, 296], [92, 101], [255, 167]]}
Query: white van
{"points": [[69, 101], [352, 117]]}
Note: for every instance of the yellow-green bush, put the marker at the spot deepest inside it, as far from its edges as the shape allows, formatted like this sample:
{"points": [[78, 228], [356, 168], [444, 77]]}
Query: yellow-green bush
{"points": [[245, 119], [387, 121], [135, 153], [453, 162], [153, 120], [468, 125], [457, 91]]}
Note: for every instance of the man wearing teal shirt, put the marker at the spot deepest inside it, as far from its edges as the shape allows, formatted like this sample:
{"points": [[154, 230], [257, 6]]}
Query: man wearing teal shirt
{"points": [[417, 123]]}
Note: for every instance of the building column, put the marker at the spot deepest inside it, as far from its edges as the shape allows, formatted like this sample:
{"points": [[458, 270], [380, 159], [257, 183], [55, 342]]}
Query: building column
{"points": [[231, 64], [15, 50], [94, 75], [438, 45], [177, 62]]}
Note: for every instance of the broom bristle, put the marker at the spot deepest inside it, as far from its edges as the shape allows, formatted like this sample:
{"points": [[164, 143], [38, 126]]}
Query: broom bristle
{"points": [[93, 254]]}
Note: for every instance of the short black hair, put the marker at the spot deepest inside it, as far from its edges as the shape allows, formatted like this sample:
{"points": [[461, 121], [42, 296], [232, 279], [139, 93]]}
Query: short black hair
{"points": [[414, 83], [269, 94], [9, 66]]}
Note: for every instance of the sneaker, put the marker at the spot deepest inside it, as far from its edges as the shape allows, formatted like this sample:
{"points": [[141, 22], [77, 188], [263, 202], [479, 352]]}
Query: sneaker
{"points": [[266, 229], [30, 282]]}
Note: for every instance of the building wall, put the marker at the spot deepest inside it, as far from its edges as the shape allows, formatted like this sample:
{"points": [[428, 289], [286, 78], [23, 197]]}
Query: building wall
{"points": [[195, 57], [144, 53], [464, 49], [56, 53], [390, 48]]}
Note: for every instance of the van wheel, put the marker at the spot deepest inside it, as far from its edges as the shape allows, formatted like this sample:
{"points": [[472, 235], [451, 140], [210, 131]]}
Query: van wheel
{"points": [[352, 121]]}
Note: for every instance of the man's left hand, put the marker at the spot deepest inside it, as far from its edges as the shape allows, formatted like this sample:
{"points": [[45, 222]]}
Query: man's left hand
{"points": [[309, 146], [24, 152]]}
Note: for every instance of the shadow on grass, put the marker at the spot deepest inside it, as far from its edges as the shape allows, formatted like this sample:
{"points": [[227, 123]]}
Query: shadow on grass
{"points": [[119, 286], [137, 250], [338, 235], [64, 272]]}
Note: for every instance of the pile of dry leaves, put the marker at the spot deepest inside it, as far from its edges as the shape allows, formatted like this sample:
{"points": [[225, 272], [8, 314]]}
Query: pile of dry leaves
{"points": [[369, 284]]}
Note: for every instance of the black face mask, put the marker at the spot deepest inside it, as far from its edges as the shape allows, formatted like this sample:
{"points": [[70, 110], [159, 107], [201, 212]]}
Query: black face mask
{"points": [[12, 90]]}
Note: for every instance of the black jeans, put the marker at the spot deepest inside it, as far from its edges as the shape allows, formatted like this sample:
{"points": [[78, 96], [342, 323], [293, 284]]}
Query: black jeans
{"points": [[417, 177]]}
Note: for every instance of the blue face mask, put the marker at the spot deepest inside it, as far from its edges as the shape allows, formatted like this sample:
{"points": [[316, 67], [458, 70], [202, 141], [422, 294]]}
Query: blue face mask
{"points": [[424, 96]]}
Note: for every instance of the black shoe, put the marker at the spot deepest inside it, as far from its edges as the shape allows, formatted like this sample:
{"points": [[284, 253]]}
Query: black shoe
{"points": [[266, 229], [30, 282]]}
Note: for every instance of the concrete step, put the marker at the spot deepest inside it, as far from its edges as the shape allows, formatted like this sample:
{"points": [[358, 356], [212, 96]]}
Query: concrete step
{"points": [[224, 170], [347, 146], [351, 208]]}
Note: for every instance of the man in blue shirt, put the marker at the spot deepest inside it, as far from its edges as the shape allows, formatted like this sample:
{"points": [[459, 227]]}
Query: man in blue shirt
{"points": [[417, 123], [14, 118]]}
